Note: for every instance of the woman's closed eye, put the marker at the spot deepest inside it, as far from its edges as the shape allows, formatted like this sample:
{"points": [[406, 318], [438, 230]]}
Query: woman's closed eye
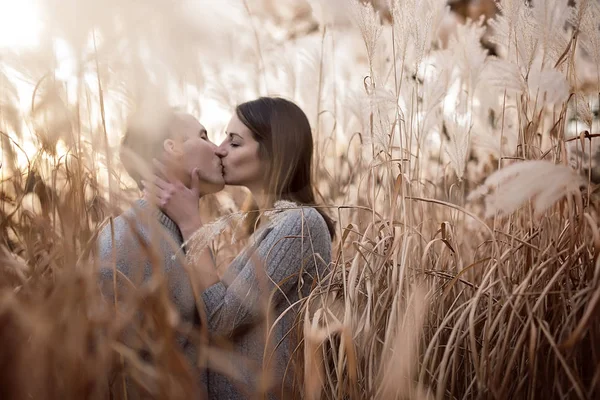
{"points": [[234, 139]]}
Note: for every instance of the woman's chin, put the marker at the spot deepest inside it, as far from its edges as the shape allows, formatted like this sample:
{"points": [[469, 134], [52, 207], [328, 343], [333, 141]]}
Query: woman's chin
{"points": [[231, 182]]}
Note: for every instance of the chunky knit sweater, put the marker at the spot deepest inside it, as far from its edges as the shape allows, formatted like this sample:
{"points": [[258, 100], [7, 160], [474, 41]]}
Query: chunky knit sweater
{"points": [[136, 228], [276, 270]]}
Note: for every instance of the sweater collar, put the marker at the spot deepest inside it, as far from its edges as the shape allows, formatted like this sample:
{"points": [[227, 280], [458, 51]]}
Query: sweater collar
{"points": [[161, 216]]}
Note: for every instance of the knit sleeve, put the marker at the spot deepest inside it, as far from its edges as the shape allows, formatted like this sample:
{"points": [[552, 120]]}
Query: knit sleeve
{"points": [[117, 255], [289, 256]]}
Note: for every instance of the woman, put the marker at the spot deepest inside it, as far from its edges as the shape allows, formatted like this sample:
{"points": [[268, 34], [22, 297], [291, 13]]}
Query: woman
{"points": [[268, 150]]}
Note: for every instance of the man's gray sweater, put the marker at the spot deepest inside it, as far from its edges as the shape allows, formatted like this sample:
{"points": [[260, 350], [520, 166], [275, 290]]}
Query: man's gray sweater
{"points": [[141, 223]]}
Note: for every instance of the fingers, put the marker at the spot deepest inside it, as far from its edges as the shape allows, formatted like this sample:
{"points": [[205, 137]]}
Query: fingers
{"points": [[196, 182], [158, 197], [161, 184], [157, 185], [158, 191], [164, 185]]}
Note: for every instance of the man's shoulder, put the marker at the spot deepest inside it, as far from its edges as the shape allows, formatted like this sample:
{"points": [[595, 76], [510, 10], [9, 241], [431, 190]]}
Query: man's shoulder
{"points": [[117, 224], [126, 225]]}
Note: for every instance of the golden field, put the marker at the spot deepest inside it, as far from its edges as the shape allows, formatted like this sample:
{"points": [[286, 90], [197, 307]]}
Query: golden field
{"points": [[462, 178]]}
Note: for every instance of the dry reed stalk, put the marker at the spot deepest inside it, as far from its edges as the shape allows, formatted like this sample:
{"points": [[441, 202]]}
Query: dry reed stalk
{"points": [[510, 305]]}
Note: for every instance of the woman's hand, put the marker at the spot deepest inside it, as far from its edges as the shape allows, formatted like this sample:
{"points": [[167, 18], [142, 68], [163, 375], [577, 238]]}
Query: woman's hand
{"points": [[180, 203], [176, 200]]}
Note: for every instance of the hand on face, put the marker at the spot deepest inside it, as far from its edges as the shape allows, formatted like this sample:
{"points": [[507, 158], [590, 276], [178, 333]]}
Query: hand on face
{"points": [[175, 199]]}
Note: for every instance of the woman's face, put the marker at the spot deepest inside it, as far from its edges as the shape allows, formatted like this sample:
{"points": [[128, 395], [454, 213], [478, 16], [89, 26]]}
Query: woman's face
{"points": [[239, 154]]}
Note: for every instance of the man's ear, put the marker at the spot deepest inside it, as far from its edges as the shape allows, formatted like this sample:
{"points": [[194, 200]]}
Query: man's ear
{"points": [[171, 147]]}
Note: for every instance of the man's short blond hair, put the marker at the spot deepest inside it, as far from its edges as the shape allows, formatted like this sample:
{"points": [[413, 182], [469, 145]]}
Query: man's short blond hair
{"points": [[146, 131]]}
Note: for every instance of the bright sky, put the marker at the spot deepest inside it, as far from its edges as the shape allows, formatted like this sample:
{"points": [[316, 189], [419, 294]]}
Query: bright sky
{"points": [[20, 24], [21, 27]]}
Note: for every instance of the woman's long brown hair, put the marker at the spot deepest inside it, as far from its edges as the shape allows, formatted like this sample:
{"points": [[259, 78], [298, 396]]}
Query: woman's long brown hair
{"points": [[285, 141]]}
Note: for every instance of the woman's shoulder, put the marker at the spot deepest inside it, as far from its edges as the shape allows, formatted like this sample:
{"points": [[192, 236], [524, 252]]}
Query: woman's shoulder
{"points": [[292, 216]]}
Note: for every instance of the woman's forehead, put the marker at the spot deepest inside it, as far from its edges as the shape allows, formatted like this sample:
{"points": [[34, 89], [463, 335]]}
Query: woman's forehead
{"points": [[236, 126]]}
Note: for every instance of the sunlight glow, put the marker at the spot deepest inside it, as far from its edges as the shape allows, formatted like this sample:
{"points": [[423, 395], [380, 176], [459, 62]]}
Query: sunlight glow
{"points": [[20, 24]]}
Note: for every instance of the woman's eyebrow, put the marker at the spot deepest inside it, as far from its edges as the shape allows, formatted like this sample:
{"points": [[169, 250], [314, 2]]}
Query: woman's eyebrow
{"points": [[232, 134]]}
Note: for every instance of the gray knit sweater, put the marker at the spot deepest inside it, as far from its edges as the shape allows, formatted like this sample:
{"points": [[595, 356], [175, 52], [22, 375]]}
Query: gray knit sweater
{"points": [[163, 237], [278, 268]]}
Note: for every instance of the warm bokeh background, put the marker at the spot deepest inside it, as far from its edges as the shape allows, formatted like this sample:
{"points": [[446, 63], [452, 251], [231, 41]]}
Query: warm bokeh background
{"points": [[450, 280]]}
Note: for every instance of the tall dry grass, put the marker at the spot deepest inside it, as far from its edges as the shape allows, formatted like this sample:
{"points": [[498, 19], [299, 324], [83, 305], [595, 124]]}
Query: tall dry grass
{"points": [[466, 261]]}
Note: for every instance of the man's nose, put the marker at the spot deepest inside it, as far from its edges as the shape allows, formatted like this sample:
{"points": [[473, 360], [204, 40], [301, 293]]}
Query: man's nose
{"points": [[220, 151]]}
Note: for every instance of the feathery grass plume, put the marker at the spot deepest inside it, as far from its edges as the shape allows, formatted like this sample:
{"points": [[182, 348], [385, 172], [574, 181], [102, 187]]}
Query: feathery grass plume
{"points": [[471, 61], [588, 13], [10, 120], [416, 26], [526, 32], [552, 18], [583, 124], [510, 306], [505, 75], [580, 115], [9, 148], [367, 20], [541, 182], [534, 68], [469, 55], [548, 86], [514, 23], [459, 132]]}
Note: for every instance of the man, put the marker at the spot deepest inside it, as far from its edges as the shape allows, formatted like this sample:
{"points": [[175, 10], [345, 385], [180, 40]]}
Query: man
{"points": [[143, 242]]}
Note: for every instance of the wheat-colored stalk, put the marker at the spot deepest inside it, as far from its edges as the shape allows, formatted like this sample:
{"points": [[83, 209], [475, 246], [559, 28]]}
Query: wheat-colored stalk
{"points": [[466, 257]]}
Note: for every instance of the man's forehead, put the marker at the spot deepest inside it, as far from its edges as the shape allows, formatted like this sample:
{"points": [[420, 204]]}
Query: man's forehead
{"points": [[185, 119]]}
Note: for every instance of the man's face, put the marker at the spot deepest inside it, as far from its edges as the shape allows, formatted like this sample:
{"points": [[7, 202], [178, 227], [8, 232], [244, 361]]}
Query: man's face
{"points": [[191, 149]]}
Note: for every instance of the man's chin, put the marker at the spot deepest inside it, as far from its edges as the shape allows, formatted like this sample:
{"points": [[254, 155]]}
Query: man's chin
{"points": [[217, 187]]}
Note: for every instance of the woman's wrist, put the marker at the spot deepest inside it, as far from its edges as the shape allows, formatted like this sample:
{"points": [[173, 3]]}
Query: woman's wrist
{"points": [[189, 227]]}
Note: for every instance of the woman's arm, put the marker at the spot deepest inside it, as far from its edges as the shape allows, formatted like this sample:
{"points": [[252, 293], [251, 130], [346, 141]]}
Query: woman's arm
{"points": [[284, 256], [180, 203], [266, 277], [203, 260]]}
